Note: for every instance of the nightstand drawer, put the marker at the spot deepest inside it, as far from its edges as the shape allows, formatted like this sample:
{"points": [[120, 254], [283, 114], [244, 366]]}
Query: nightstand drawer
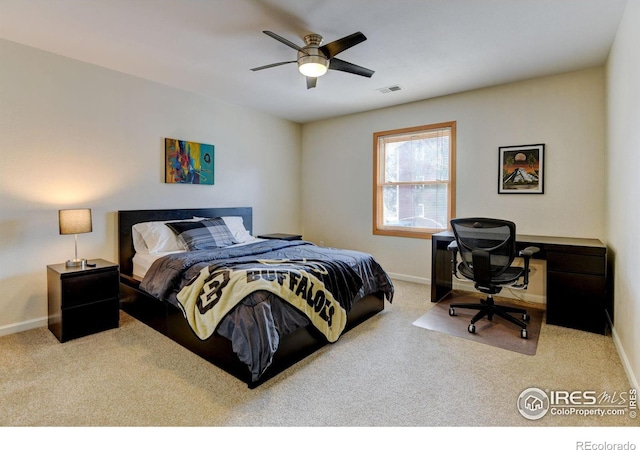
{"points": [[89, 288], [84, 320], [83, 300]]}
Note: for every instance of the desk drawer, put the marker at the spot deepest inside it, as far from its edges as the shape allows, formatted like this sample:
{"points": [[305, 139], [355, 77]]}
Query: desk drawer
{"points": [[567, 262], [576, 301]]}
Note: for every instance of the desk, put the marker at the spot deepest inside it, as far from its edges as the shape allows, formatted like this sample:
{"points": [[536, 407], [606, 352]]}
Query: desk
{"points": [[577, 294]]}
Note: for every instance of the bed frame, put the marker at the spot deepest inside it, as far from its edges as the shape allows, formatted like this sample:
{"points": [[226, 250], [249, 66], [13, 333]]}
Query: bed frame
{"points": [[168, 319]]}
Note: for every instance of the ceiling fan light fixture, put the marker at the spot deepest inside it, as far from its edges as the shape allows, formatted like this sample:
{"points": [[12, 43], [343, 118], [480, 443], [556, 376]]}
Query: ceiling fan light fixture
{"points": [[315, 59], [313, 65]]}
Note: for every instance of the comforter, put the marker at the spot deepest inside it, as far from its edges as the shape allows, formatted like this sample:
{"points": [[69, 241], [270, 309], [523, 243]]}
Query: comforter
{"points": [[255, 313]]}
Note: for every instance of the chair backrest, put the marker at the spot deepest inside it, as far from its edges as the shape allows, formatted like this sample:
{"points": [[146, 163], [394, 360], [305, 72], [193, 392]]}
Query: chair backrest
{"points": [[494, 236]]}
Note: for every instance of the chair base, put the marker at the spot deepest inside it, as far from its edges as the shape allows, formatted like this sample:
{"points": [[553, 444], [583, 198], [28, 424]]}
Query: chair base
{"points": [[488, 308]]}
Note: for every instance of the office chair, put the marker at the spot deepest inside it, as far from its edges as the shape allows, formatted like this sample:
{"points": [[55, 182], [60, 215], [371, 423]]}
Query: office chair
{"points": [[487, 248]]}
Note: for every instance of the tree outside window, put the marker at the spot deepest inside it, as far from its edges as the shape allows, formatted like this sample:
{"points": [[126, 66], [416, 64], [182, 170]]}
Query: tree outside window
{"points": [[414, 180]]}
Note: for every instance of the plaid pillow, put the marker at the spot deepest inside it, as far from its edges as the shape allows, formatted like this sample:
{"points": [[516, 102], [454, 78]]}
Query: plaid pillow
{"points": [[203, 234]]}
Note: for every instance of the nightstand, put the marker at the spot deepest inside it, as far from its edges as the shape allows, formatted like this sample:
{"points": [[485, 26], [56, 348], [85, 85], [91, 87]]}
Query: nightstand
{"points": [[83, 300], [284, 236]]}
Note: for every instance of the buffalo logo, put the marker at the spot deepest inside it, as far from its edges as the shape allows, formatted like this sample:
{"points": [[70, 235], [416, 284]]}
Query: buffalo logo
{"points": [[212, 290]]}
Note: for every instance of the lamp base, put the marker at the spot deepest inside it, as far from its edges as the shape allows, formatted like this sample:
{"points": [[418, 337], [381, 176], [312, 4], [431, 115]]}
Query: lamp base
{"points": [[76, 262]]}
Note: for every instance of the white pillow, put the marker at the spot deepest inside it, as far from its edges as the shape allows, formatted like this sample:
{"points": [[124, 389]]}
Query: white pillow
{"points": [[156, 237], [236, 226], [138, 241]]}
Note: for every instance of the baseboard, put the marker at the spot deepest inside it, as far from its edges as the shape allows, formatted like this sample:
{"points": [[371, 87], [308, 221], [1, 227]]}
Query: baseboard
{"points": [[462, 286], [411, 278], [23, 326], [625, 361], [514, 294]]}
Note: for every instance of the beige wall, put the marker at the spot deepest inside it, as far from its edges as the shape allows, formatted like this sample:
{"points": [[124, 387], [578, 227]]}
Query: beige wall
{"points": [[77, 135], [565, 112], [623, 185]]}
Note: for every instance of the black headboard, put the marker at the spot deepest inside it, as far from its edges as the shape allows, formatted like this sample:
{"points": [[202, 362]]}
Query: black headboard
{"points": [[127, 219]]}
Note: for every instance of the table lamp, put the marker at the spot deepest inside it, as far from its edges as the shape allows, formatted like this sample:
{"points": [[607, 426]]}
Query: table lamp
{"points": [[75, 221]]}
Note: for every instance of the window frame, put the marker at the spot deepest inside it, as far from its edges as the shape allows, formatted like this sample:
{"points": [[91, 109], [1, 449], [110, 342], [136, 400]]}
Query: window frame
{"points": [[378, 182]]}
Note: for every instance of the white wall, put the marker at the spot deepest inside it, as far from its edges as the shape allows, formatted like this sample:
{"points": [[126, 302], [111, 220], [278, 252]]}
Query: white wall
{"points": [[77, 135], [565, 112], [623, 184]]}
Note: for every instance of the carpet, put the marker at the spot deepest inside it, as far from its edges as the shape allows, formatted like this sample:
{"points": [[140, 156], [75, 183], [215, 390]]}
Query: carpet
{"points": [[498, 332]]}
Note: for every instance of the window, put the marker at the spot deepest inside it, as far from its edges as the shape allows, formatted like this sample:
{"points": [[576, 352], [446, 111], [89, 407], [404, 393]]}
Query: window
{"points": [[414, 180]]}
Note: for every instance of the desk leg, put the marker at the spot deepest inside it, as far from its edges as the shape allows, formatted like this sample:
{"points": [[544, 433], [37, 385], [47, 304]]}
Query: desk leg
{"points": [[441, 277]]}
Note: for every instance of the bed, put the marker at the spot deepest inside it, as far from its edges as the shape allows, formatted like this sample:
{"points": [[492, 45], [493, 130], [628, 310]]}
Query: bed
{"points": [[168, 291]]}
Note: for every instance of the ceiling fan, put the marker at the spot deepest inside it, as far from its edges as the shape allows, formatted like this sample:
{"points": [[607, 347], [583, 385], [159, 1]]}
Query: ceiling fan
{"points": [[314, 59]]}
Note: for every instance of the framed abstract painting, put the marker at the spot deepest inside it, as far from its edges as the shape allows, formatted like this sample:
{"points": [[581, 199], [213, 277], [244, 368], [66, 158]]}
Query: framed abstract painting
{"points": [[188, 162], [521, 169]]}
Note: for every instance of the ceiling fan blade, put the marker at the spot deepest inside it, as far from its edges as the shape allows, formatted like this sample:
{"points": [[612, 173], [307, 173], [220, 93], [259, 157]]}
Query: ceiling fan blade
{"points": [[268, 66], [333, 48], [344, 66], [311, 82], [284, 41]]}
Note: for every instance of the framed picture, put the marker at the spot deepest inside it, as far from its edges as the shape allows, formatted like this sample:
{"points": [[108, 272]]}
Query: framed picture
{"points": [[521, 169], [188, 162]]}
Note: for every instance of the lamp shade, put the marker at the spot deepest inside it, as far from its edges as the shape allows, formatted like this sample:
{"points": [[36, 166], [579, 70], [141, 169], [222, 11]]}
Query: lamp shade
{"points": [[75, 221], [313, 66], [312, 69]]}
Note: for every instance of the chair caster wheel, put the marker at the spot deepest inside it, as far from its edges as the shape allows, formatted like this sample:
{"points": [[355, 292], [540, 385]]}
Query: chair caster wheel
{"points": [[524, 334], [472, 329], [452, 312], [526, 317]]}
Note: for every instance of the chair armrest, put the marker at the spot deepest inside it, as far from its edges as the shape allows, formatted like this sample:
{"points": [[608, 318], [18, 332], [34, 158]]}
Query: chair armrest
{"points": [[529, 251], [453, 246], [526, 254]]}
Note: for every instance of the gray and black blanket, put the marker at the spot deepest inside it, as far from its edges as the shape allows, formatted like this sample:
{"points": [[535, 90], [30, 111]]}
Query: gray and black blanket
{"points": [[318, 289], [255, 293]]}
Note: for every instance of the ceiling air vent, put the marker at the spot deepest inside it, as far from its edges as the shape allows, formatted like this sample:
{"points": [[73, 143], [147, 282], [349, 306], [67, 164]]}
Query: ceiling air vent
{"points": [[386, 90]]}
